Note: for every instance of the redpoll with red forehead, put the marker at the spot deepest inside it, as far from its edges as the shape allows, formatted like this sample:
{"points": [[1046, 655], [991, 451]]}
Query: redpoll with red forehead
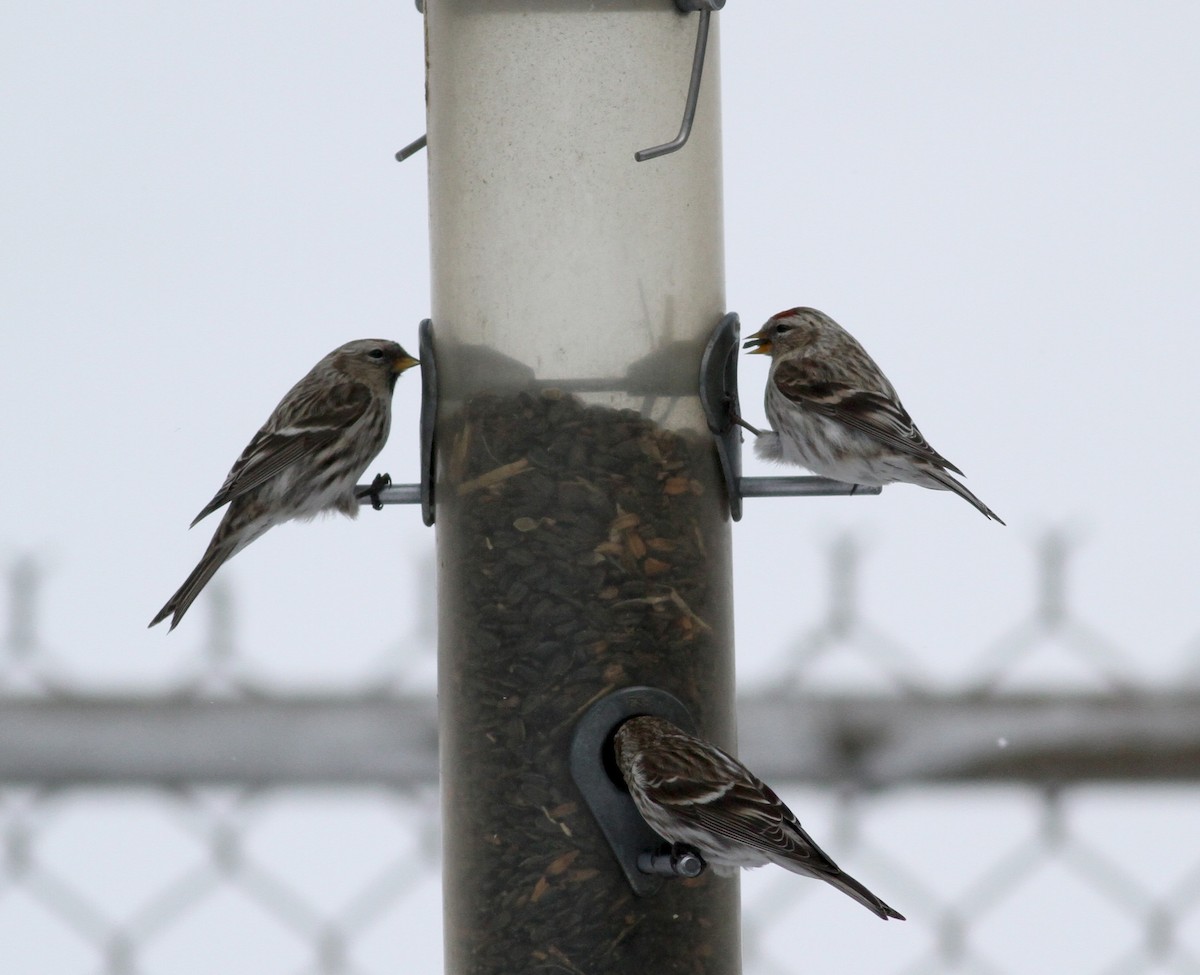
{"points": [[307, 457], [694, 793], [833, 410]]}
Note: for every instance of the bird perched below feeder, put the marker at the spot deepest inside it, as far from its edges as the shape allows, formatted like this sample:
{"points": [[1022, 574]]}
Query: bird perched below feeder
{"points": [[694, 794]]}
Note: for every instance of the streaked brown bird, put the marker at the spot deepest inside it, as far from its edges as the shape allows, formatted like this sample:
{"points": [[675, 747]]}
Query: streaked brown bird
{"points": [[833, 411], [306, 459], [692, 792]]}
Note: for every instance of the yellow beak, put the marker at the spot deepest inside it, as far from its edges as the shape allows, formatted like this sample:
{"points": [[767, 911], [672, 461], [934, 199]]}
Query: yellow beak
{"points": [[758, 344], [404, 362]]}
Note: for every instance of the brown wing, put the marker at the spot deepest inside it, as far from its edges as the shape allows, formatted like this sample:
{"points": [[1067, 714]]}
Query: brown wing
{"points": [[309, 417], [711, 790], [878, 414]]}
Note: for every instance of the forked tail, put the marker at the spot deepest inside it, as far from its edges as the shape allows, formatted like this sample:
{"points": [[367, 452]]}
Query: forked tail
{"points": [[219, 551]]}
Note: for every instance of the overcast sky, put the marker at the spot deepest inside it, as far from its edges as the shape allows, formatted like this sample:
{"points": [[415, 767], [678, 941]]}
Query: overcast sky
{"points": [[999, 201]]}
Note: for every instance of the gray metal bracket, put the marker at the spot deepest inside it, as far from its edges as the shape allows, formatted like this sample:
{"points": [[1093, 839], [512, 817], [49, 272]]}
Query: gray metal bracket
{"points": [[719, 400], [637, 848], [429, 405]]}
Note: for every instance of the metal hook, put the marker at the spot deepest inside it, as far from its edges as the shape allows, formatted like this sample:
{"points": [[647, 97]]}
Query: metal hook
{"points": [[417, 144], [706, 7], [411, 149]]}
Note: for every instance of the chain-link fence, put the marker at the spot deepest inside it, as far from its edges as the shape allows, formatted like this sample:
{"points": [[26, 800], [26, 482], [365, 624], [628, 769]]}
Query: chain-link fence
{"points": [[1019, 832]]}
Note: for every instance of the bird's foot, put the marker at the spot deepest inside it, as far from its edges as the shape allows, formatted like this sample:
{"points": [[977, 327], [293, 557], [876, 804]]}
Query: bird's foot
{"points": [[736, 417], [381, 481]]}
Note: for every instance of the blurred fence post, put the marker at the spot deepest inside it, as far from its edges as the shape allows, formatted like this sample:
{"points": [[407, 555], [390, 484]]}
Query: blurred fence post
{"points": [[583, 538]]}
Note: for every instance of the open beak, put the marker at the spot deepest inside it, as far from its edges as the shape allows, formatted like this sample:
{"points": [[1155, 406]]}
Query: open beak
{"points": [[404, 362], [758, 344]]}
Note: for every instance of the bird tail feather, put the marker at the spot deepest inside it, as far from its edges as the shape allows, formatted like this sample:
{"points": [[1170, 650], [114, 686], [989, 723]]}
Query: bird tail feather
{"points": [[219, 551], [848, 885], [949, 483]]}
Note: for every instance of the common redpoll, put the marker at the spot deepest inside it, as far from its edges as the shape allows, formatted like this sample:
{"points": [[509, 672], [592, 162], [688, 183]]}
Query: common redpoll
{"points": [[692, 792], [833, 410], [307, 457]]}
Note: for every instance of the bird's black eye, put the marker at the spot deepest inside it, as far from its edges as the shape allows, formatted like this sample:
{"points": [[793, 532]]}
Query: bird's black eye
{"points": [[376, 353], [781, 327]]}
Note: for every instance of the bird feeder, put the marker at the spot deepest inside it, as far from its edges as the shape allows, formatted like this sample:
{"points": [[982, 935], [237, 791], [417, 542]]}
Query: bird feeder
{"points": [[582, 519]]}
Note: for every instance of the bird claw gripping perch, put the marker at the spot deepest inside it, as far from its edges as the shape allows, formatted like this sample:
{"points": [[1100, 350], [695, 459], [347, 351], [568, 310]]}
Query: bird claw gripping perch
{"points": [[373, 492]]}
